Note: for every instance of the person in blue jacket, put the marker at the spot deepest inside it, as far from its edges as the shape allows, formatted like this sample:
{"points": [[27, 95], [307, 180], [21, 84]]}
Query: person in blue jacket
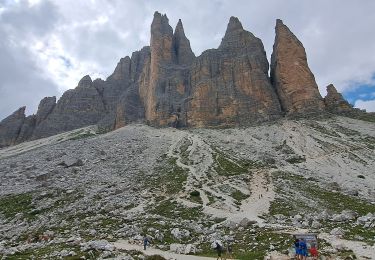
{"points": [[303, 249]]}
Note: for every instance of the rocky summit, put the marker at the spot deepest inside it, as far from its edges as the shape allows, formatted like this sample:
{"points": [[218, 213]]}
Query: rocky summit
{"points": [[165, 84]]}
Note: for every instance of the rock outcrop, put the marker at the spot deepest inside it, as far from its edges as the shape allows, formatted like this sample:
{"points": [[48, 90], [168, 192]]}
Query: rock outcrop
{"points": [[165, 84], [11, 126], [291, 75], [76, 108], [335, 102]]}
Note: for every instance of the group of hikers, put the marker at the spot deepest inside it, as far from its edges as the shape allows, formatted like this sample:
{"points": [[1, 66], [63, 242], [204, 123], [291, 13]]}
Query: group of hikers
{"points": [[302, 250]]}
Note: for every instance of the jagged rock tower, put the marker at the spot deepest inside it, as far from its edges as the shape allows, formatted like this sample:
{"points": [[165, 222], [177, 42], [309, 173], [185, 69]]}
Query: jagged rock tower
{"points": [[291, 75], [164, 84]]}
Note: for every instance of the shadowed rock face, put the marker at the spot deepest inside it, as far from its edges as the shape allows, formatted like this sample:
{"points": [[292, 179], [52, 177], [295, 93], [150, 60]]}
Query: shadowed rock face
{"points": [[164, 84], [76, 108], [335, 102], [11, 126], [230, 85], [291, 75]]}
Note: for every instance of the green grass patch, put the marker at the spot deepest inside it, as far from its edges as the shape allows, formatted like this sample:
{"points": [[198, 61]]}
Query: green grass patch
{"points": [[296, 159], [226, 165], [239, 195], [81, 134], [171, 209], [168, 177], [44, 253], [288, 202], [323, 130], [10, 205]]}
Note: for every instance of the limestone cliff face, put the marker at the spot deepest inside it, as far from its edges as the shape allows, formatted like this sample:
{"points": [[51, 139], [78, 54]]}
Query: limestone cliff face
{"points": [[230, 85], [120, 92], [11, 126], [335, 102], [291, 75], [164, 83]]}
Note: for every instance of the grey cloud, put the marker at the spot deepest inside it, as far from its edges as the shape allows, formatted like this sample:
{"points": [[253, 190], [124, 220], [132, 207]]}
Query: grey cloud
{"points": [[22, 82], [22, 19]]}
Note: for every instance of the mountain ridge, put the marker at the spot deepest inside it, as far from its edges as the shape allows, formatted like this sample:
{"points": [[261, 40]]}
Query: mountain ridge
{"points": [[165, 84]]}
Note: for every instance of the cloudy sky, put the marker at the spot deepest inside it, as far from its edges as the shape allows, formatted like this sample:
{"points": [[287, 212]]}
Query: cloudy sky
{"points": [[47, 46]]}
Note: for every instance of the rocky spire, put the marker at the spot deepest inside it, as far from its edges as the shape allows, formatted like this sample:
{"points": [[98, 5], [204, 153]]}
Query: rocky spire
{"points": [[161, 39], [85, 82], [234, 25], [232, 34], [181, 44], [11, 126], [122, 70], [291, 75], [46, 105], [335, 102]]}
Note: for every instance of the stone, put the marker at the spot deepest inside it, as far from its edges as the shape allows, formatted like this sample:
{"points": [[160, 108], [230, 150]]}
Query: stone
{"points": [[316, 224], [102, 245], [245, 222], [180, 234], [291, 75], [337, 232], [190, 249], [177, 248]]}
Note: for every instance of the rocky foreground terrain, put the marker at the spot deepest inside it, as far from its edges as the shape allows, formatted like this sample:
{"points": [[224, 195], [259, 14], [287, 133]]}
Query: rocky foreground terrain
{"points": [[79, 194]]}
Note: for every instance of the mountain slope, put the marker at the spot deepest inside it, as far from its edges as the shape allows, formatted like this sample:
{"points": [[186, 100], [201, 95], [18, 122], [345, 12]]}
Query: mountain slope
{"points": [[191, 186]]}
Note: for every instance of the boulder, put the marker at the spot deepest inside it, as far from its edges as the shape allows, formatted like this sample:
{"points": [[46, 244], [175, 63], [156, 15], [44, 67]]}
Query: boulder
{"points": [[180, 234], [177, 248], [337, 231]]}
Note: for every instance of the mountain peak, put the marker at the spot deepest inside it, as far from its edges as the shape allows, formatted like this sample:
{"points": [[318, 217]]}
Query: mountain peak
{"points": [[85, 82], [160, 24], [234, 24], [181, 44]]}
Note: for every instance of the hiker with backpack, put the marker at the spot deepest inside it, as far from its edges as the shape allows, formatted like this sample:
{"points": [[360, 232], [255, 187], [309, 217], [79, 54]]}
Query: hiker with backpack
{"points": [[146, 242], [219, 250]]}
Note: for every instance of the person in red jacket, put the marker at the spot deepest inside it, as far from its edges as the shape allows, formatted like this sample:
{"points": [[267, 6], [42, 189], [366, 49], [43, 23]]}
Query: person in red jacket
{"points": [[313, 251]]}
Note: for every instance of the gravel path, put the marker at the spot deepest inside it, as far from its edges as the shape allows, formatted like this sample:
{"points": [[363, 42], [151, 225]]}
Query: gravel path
{"points": [[124, 244]]}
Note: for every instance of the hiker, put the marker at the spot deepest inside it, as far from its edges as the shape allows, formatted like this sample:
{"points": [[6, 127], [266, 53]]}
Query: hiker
{"points": [[146, 241], [229, 254], [314, 252], [219, 250], [297, 249], [303, 249]]}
